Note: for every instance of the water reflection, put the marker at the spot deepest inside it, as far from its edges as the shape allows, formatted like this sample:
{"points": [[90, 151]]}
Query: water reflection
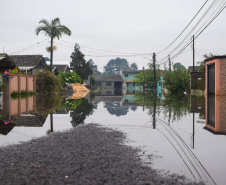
{"points": [[115, 108], [216, 114], [79, 114]]}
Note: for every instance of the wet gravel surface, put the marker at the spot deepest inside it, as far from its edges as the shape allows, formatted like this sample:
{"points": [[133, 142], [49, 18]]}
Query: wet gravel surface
{"points": [[87, 154]]}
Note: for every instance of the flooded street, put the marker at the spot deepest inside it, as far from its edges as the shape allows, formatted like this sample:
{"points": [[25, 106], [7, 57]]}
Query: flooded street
{"points": [[171, 131]]}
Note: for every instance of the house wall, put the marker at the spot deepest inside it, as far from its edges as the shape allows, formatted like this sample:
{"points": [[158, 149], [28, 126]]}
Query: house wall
{"points": [[217, 76], [198, 80], [18, 83], [40, 67], [222, 74], [104, 84], [131, 76], [21, 82]]}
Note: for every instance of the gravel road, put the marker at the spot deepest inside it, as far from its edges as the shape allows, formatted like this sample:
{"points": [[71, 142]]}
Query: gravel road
{"points": [[87, 154]]}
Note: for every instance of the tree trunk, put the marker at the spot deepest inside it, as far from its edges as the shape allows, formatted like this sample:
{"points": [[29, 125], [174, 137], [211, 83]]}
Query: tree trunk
{"points": [[51, 56]]}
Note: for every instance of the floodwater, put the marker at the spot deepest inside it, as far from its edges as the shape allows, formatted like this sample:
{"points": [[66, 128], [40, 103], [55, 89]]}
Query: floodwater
{"points": [[177, 134]]}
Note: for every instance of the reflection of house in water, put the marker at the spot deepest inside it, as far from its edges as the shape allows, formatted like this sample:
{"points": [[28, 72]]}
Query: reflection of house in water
{"points": [[129, 100], [6, 128], [115, 108], [112, 103], [30, 120], [198, 105], [61, 111], [216, 114]]}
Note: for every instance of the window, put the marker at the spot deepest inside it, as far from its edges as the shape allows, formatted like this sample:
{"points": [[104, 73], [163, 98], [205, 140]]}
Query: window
{"points": [[133, 84], [98, 83], [108, 83], [126, 75], [108, 92]]}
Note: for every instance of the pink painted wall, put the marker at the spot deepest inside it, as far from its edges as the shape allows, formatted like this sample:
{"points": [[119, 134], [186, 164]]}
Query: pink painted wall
{"points": [[23, 83]]}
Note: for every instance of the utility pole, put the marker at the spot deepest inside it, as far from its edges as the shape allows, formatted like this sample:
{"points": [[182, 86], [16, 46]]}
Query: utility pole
{"points": [[154, 59], [169, 64], [143, 89], [143, 79], [193, 47]]}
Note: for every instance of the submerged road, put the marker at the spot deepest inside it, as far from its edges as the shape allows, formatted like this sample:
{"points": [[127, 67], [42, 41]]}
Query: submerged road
{"points": [[87, 154]]}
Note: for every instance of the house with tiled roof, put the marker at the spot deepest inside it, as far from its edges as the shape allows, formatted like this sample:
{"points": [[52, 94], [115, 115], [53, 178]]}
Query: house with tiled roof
{"points": [[60, 68], [108, 81], [6, 63], [29, 64]]}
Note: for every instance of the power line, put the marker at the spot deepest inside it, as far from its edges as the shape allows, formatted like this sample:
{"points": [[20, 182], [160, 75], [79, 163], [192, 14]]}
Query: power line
{"points": [[107, 51], [28, 47], [184, 28], [208, 21]]}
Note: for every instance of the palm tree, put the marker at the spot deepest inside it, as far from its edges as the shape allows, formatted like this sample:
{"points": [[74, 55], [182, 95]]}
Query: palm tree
{"points": [[53, 30]]}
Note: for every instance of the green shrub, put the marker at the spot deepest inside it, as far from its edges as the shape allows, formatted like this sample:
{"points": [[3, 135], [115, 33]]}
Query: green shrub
{"points": [[15, 70], [70, 77], [51, 82], [178, 80]]}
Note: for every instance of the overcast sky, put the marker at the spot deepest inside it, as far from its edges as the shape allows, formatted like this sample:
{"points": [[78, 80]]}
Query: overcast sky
{"points": [[124, 26]]}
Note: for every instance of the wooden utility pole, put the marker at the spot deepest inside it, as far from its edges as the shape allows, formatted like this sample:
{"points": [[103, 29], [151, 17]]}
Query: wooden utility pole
{"points": [[154, 59], [193, 47], [169, 64], [143, 79]]}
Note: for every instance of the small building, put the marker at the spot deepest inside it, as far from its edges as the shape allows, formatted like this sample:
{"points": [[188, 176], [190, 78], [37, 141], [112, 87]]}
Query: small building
{"points": [[197, 78], [6, 63], [129, 86], [30, 64], [215, 68], [108, 81], [60, 68]]}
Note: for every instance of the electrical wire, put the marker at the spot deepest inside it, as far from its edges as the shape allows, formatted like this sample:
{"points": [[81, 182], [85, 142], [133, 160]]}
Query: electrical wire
{"points": [[107, 51], [183, 29], [28, 47]]}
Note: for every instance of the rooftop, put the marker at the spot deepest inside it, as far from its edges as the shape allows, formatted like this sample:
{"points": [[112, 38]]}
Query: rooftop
{"points": [[26, 60], [215, 57]]}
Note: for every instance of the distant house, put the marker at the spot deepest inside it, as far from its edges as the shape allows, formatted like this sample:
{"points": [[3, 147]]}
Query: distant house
{"points": [[108, 81], [197, 78], [6, 63], [30, 64], [60, 68], [128, 77]]}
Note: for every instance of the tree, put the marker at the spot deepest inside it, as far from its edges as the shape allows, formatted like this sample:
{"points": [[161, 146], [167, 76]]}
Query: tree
{"points": [[178, 65], [114, 66], [94, 67], [178, 80], [148, 77], [79, 64], [52, 29], [134, 66]]}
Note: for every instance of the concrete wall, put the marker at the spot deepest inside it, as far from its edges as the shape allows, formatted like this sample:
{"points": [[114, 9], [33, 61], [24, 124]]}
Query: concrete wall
{"points": [[18, 83], [21, 82]]}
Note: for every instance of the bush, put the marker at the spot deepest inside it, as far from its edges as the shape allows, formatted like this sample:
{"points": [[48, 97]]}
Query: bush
{"points": [[70, 77], [49, 81], [15, 70], [178, 80]]}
